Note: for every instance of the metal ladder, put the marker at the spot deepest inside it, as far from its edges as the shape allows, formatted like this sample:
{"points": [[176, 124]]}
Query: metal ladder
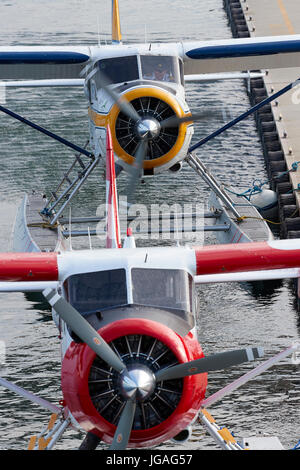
{"points": [[194, 161], [69, 185]]}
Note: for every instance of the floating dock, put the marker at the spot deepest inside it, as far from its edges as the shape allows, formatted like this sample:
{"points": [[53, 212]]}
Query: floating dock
{"points": [[281, 17], [279, 122]]}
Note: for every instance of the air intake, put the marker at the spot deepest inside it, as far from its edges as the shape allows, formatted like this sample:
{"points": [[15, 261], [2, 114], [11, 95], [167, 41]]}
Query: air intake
{"points": [[143, 355], [153, 111]]}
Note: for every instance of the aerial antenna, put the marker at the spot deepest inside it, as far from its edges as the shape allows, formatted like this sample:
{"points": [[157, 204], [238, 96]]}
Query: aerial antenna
{"points": [[176, 226], [98, 28], [90, 239], [70, 229]]}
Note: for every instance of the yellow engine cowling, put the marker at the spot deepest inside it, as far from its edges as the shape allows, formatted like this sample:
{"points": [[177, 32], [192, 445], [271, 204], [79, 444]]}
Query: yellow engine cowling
{"points": [[168, 147]]}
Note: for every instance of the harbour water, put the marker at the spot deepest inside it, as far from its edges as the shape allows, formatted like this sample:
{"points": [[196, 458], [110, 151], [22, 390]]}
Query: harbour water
{"points": [[231, 315]]}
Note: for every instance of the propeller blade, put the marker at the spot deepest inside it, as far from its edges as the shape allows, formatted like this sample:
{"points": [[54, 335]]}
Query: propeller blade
{"points": [[123, 431], [174, 121], [83, 329], [136, 169], [210, 363], [124, 105], [118, 169]]}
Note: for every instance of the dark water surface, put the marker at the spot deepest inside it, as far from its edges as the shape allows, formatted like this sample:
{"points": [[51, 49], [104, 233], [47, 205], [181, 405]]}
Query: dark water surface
{"points": [[231, 315]]}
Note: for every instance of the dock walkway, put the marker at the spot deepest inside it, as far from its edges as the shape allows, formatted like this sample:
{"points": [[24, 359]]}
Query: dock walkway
{"points": [[276, 18], [279, 122]]}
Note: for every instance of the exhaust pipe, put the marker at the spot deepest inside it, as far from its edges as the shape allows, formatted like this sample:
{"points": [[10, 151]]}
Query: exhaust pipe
{"points": [[182, 436], [175, 168]]}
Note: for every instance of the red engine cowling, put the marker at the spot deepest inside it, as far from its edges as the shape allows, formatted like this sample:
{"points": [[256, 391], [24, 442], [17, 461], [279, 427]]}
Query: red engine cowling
{"points": [[91, 389]]}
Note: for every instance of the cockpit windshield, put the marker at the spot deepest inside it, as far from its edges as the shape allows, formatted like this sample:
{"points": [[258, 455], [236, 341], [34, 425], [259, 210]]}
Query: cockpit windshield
{"points": [[130, 68], [161, 288], [118, 69], [164, 288], [160, 68], [91, 292]]}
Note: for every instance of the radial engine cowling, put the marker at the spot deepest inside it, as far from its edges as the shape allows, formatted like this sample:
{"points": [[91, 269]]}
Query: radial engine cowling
{"points": [[165, 145], [95, 394]]}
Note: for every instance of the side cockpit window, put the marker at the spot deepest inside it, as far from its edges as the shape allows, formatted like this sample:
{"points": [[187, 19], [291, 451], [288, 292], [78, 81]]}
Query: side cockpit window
{"points": [[117, 70], [160, 68], [164, 288], [95, 291]]}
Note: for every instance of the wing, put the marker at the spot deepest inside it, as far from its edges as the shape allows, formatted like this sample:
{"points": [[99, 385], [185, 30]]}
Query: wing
{"points": [[53, 62], [248, 276], [32, 286], [60, 62], [28, 272], [212, 77], [278, 259], [68, 82], [40, 62], [241, 54]]}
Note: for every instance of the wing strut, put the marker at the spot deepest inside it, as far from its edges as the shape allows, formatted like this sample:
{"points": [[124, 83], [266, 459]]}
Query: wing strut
{"points": [[30, 396], [250, 375], [242, 116], [63, 141]]}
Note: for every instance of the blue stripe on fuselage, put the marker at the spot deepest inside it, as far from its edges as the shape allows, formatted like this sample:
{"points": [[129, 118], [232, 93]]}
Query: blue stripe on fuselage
{"points": [[244, 50], [42, 57]]}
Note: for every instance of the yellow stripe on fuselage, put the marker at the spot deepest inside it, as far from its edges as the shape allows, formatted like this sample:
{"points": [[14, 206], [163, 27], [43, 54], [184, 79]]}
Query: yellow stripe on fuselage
{"points": [[100, 120], [116, 27]]}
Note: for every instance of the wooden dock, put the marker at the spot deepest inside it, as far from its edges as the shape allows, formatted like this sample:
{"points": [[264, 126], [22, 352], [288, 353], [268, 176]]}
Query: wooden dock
{"points": [[279, 123], [276, 18]]}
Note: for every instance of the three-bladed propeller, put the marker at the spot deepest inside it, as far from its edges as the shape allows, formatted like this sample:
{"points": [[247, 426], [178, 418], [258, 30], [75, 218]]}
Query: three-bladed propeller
{"points": [[145, 127], [138, 383]]}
